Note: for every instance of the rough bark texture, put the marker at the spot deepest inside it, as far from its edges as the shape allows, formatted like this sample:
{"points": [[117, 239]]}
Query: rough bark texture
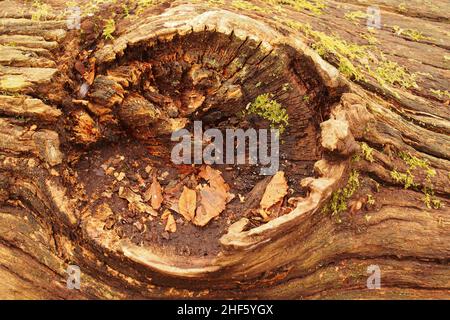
{"points": [[393, 136]]}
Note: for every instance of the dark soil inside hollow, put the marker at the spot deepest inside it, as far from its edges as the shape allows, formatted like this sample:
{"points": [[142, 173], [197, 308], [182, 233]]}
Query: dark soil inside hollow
{"points": [[132, 158]]}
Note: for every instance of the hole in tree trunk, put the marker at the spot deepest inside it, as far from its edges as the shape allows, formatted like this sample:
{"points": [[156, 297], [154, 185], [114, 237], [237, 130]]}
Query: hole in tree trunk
{"points": [[154, 88]]}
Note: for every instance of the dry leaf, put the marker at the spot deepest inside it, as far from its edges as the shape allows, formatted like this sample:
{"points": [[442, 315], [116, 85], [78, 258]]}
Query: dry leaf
{"points": [[172, 195], [171, 225], [135, 202], [187, 203], [213, 197], [214, 178], [275, 191], [165, 214], [154, 194], [212, 203]]}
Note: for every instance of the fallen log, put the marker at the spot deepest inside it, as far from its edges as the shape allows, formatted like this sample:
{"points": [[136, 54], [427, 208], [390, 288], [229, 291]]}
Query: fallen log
{"points": [[86, 177]]}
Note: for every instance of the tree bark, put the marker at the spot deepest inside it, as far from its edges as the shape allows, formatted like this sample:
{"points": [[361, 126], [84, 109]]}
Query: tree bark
{"points": [[73, 100]]}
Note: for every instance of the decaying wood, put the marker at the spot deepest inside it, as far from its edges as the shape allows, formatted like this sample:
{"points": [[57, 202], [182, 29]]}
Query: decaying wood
{"points": [[61, 102]]}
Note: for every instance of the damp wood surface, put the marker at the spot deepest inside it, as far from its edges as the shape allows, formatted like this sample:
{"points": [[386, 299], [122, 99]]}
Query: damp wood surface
{"points": [[86, 177]]}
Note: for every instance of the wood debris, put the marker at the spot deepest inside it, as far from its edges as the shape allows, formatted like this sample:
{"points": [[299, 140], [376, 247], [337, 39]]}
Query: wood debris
{"points": [[154, 194], [275, 191], [187, 203], [171, 225], [135, 202]]}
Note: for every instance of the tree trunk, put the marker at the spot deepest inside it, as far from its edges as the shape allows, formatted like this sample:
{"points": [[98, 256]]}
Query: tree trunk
{"points": [[85, 123]]}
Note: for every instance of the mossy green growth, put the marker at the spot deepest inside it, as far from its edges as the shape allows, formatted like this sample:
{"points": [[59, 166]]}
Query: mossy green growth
{"points": [[414, 162], [126, 10], [354, 16], [216, 2], [430, 200], [246, 5], [412, 34], [269, 109], [389, 72], [108, 30], [40, 10], [370, 199], [405, 178], [402, 7], [339, 198], [354, 60], [441, 93], [314, 6], [371, 39], [367, 152], [350, 70]]}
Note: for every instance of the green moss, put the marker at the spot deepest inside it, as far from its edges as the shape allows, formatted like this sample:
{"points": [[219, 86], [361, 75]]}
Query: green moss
{"points": [[216, 2], [147, 3], [430, 200], [389, 72], [354, 16], [126, 10], [269, 109], [339, 198], [348, 69], [367, 152], [414, 162], [412, 34], [326, 44], [246, 5], [405, 178], [294, 24], [355, 61], [370, 199], [371, 39], [314, 6], [440, 93], [40, 11], [402, 7], [108, 30], [356, 158]]}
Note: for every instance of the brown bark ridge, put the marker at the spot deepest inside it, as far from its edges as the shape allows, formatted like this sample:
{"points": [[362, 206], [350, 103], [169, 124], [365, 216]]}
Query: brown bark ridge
{"points": [[367, 146]]}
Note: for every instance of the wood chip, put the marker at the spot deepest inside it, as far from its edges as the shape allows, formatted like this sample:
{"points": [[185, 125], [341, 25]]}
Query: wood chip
{"points": [[171, 225], [120, 176], [275, 191], [187, 203], [154, 194]]}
